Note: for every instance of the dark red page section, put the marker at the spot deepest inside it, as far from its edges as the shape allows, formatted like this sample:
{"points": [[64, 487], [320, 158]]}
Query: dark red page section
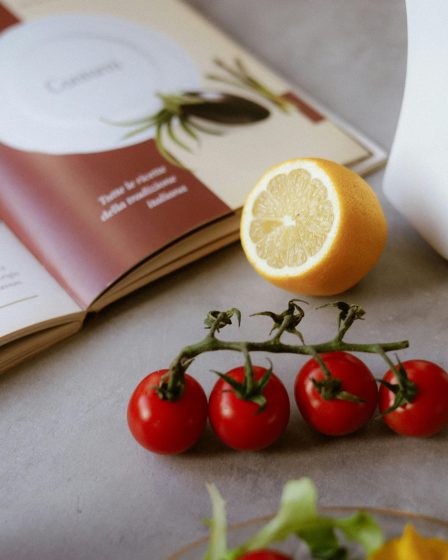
{"points": [[89, 218], [7, 18], [302, 106]]}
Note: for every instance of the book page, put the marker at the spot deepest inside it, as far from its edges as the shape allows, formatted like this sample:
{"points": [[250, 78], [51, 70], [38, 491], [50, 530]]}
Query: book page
{"points": [[128, 131], [30, 298]]}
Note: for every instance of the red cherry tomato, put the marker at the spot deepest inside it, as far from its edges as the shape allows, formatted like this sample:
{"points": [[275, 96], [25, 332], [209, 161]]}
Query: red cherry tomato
{"points": [[427, 414], [241, 424], [336, 417], [265, 555], [167, 427]]}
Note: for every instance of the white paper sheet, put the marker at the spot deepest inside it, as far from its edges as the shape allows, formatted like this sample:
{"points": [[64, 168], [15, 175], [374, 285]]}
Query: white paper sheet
{"points": [[28, 294]]}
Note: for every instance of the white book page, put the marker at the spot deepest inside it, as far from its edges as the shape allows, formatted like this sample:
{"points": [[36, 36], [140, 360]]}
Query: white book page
{"points": [[30, 299]]}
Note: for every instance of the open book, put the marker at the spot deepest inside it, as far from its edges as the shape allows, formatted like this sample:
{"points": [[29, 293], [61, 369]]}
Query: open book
{"points": [[130, 135]]}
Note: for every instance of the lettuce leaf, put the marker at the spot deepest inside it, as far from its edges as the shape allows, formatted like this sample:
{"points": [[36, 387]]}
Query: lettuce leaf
{"points": [[297, 515], [322, 541], [363, 529], [298, 506], [217, 546]]}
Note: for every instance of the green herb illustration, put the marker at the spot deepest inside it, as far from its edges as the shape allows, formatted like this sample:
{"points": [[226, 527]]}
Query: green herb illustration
{"points": [[239, 76], [191, 112], [188, 111]]}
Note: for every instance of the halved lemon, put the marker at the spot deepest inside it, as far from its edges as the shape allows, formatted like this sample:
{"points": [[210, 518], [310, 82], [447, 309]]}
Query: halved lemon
{"points": [[313, 227]]}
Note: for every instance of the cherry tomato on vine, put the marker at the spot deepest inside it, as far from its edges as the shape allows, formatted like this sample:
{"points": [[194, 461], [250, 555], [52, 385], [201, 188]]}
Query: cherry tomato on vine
{"points": [[427, 414], [335, 416], [163, 426], [265, 555], [242, 424]]}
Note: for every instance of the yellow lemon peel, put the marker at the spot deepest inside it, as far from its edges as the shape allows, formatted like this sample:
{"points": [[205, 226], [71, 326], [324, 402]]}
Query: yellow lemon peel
{"points": [[412, 546], [312, 226]]}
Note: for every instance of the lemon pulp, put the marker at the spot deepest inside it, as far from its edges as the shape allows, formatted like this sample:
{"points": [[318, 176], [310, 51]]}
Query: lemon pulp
{"points": [[291, 219]]}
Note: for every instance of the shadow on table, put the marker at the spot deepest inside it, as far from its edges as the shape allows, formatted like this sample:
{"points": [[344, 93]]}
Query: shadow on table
{"points": [[408, 269], [299, 437]]}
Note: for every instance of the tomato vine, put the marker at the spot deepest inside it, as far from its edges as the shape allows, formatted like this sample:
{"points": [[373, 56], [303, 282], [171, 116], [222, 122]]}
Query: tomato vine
{"points": [[172, 384]]}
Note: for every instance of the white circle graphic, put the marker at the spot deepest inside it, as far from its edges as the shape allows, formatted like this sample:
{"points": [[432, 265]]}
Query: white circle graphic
{"points": [[68, 79]]}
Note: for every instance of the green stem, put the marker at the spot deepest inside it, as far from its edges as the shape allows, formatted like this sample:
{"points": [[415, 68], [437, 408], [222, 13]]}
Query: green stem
{"points": [[313, 352], [173, 383], [281, 329], [346, 321], [248, 373], [386, 358], [207, 345], [212, 344]]}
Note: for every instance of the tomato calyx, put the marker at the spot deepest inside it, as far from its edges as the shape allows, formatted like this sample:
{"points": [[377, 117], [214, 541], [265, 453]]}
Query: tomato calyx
{"points": [[287, 321], [172, 383], [348, 314], [331, 388], [249, 389], [217, 320], [404, 390], [166, 394]]}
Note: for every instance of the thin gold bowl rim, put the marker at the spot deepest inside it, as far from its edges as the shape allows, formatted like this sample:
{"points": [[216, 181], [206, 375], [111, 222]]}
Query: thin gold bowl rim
{"points": [[343, 509]]}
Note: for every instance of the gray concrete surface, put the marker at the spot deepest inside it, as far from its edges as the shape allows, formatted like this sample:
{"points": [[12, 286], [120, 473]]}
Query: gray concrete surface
{"points": [[74, 484]]}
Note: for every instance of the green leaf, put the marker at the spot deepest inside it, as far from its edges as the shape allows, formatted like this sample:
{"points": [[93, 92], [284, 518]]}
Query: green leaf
{"points": [[274, 316], [219, 319], [261, 401], [136, 122], [363, 529], [211, 318], [264, 380], [321, 535], [287, 320], [242, 68], [298, 515], [236, 385], [348, 312], [138, 130], [405, 391], [174, 138], [298, 506], [350, 397], [229, 82], [322, 540], [217, 546], [187, 128], [205, 129], [234, 311], [162, 150]]}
